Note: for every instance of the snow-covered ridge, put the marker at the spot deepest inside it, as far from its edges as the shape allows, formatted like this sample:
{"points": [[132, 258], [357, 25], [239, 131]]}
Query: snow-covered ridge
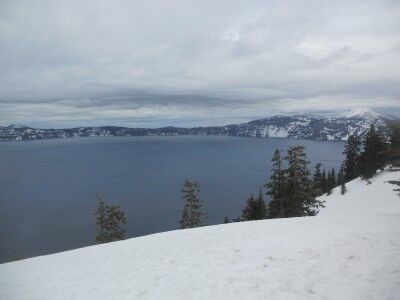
{"points": [[364, 113], [312, 127], [349, 251], [17, 126]]}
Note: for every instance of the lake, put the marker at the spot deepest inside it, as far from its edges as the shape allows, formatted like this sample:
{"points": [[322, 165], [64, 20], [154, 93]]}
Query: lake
{"points": [[48, 187]]}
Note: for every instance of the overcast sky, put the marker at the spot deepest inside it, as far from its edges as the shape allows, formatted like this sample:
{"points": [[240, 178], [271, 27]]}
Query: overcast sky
{"points": [[155, 63]]}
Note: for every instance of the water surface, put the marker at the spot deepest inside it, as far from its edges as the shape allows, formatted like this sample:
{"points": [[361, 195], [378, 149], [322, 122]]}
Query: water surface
{"points": [[47, 188]]}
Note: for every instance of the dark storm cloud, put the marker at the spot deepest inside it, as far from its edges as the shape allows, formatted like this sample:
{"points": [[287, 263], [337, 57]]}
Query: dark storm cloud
{"points": [[65, 63]]}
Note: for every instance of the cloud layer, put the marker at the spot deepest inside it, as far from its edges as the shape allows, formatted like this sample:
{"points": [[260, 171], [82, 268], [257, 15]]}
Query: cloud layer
{"points": [[65, 63]]}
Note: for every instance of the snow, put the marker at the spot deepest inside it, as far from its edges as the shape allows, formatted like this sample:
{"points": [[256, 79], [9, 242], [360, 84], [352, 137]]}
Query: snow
{"points": [[17, 126], [330, 137], [274, 131], [349, 251], [362, 112]]}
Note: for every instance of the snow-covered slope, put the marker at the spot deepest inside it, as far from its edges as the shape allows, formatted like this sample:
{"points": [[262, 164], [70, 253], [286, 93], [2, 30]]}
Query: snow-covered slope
{"points": [[362, 113], [349, 251]]}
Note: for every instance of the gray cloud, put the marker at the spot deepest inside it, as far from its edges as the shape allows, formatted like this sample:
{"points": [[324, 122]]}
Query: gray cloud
{"points": [[65, 63]]}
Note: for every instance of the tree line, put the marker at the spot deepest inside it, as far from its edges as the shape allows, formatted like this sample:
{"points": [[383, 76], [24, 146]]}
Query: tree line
{"points": [[293, 191], [365, 157], [292, 188]]}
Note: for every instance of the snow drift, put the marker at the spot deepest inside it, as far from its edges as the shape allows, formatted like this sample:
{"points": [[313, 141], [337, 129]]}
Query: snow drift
{"points": [[349, 251]]}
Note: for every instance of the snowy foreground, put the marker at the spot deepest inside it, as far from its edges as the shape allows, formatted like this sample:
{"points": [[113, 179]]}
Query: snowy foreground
{"points": [[350, 251]]}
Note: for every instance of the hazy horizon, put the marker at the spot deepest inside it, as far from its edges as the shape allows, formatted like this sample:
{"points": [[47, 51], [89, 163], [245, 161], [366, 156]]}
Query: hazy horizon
{"points": [[392, 113]]}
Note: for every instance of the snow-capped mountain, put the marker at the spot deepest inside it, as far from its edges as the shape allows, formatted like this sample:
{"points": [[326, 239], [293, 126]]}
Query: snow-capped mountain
{"points": [[363, 113], [16, 126], [315, 127]]}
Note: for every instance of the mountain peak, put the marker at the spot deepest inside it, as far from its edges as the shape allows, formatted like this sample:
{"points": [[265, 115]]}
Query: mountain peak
{"points": [[16, 126], [362, 112]]}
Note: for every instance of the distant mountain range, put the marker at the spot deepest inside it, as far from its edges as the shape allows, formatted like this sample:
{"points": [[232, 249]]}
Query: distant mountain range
{"points": [[314, 127]]}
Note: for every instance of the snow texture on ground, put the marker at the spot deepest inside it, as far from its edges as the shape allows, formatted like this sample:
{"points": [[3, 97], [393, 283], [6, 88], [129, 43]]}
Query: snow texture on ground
{"points": [[350, 251]]}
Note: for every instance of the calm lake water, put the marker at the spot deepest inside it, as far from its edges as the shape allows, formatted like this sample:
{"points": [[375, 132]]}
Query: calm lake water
{"points": [[47, 188]]}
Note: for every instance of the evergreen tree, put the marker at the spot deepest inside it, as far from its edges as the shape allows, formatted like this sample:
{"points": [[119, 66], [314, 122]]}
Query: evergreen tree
{"points": [[101, 220], [192, 215], [324, 182], [110, 221], [392, 154], [116, 223], [276, 188], [343, 188], [317, 174], [226, 220], [318, 180], [342, 181], [185, 220], [329, 183], [261, 207], [255, 208], [395, 135], [249, 211], [299, 188], [333, 178], [372, 157], [351, 162]]}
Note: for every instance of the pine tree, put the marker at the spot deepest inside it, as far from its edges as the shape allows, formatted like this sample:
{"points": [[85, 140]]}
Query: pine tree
{"points": [[299, 187], [342, 181], [372, 158], [343, 188], [392, 154], [249, 210], [351, 162], [255, 208], [333, 178], [261, 207], [226, 220], [110, 221], [192, 215], [116, 223], [185, 220], [395, 135], [324, 182], [329, 183], [317, 178], [101, 220], [276, 188]]}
